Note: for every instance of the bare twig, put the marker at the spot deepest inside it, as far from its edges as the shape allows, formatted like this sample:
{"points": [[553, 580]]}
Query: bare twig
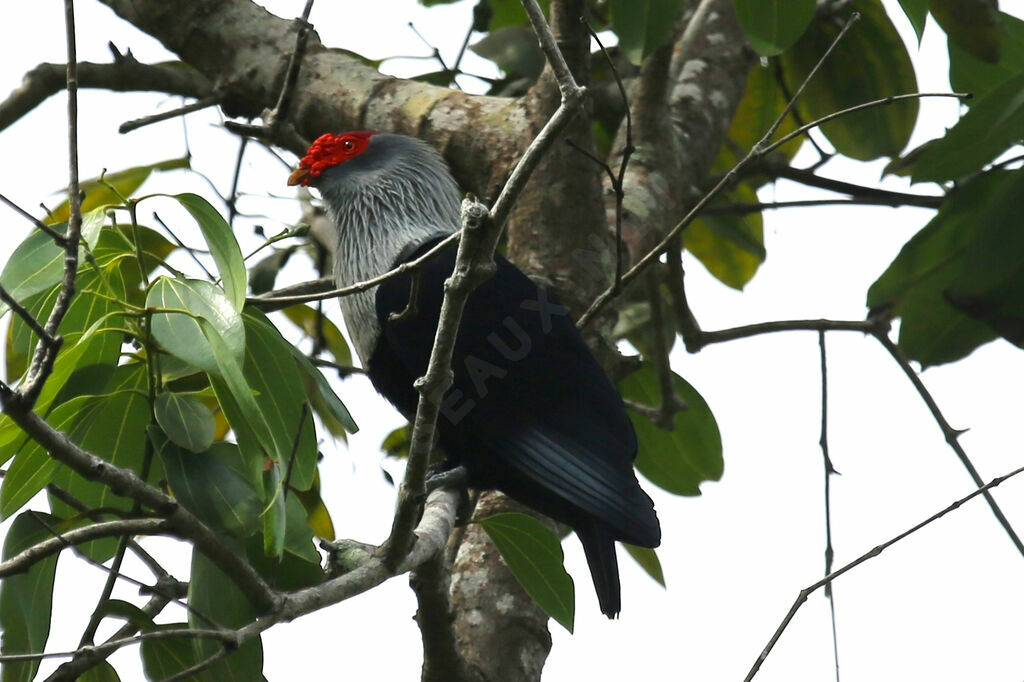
{"points": [[105, 529], [40, 225], [756, 151], [829, 471], [198, 105], [875, 551], [949, 433]]}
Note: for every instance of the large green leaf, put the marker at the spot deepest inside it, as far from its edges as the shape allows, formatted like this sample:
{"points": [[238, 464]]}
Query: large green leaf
{"points": [[970, 74], [973, 25], [176, 328], [216, 596], [993, 125], [514, 49], [870, 63], [98, 194], [333, 413], [223, 246], [729, 245], [762, 103], [691, 453], [37, 263], [210, 485], [271, 371], [643, 25], [165, 657], [969, 252], [185, 420], [534, 555], [117, 433], [26, 598], [773, 25]]}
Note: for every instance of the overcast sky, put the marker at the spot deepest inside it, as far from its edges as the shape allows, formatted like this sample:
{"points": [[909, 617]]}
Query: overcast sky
{"points": [[945, 604]]}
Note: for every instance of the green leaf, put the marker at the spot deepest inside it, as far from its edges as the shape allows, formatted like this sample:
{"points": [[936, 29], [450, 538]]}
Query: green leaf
{"points": [[37, 263], [91, 420], [869, 63], [969, 252], [185, 420], [98, 195], [317, 325], [216, 596], [970, 74], [115, 431], [989, 128], [177, 329], [643, 25], [126, 611], [773, 25], [510, 13], [762, 103], [681, 459], [917, 13], [272, 373], [163, 658], [396, 443], [26, 598], [223, 246], [648, 560], [275, 520], [102, 672], [972, 25], [210, 487], [514, 49], [534, 555], [729, 245], [333, 413]]}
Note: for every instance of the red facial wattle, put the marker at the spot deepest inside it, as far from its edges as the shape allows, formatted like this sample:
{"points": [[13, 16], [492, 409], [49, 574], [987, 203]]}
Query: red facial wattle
{"points": [[329, 150]]}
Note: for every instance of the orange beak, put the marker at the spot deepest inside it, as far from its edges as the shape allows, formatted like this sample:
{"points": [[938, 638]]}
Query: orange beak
{"points": [[300, 176]]}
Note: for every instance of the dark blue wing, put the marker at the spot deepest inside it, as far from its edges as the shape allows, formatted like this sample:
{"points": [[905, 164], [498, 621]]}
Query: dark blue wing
{"points": [[530, 411]]}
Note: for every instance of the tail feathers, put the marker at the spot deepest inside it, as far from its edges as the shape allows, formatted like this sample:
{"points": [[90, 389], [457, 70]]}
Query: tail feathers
{"points": [[599, 548]]}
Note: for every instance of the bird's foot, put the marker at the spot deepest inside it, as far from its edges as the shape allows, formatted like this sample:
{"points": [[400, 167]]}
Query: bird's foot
{"points": [[455, 477]]}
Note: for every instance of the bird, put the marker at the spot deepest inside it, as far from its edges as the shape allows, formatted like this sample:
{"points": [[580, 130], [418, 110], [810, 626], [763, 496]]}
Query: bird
{"points": [[530, 412]]}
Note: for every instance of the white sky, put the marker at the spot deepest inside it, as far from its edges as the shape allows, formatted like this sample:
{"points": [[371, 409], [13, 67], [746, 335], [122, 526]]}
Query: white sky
{"points": [[945, 604]]}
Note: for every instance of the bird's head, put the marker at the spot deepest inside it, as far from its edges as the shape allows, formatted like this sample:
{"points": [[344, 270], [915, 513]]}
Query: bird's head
{"points": [[327, 151]]}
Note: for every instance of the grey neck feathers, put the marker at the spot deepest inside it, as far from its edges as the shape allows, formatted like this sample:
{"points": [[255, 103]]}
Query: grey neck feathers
{"points": [[395, 195]]}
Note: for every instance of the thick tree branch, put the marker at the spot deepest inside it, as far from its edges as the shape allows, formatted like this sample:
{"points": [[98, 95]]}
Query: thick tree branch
{"points": [[125, 74], [120, 528]]}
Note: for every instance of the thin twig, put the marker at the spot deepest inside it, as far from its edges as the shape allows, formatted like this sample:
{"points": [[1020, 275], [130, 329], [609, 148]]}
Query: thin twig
{"points": [[119, 528], [40, 225], [26, 317], [756, 151], [198, 105], [949, 433], [807, 591], [844, 112], [829, 471]]}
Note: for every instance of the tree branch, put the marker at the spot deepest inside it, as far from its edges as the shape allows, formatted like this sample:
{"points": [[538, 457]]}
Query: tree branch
{"points": [[105, 529], [125, 74]]}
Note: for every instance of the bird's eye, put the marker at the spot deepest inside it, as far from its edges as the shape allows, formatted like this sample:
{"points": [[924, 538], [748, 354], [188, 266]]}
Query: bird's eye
{"points": [[348, 145]]}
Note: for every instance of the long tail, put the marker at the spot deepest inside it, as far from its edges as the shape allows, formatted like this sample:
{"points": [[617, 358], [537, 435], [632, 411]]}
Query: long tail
{"points": [[599, 547]]}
